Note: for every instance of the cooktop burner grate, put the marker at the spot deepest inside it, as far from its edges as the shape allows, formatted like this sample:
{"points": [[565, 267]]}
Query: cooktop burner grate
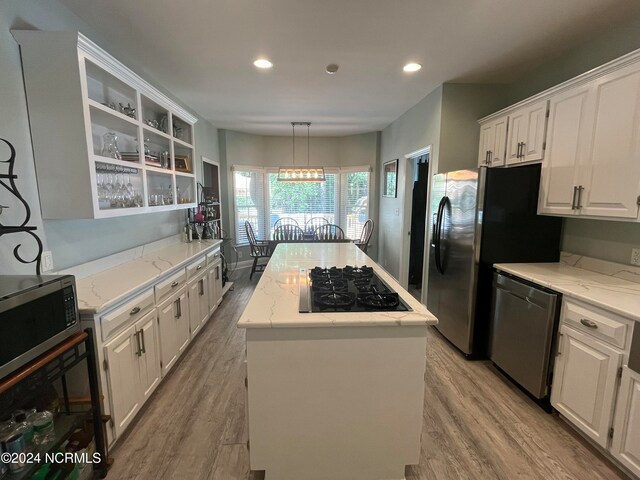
{"points": [[348, 289]]}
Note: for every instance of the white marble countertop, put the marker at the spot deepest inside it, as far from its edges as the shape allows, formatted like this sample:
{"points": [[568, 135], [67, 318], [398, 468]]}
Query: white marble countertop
{"points": [[101, 291], [275, 300], [605, 291]]}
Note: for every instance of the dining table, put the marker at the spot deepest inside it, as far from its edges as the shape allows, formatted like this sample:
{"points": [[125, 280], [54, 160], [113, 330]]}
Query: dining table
{"points": [[307, 238]]}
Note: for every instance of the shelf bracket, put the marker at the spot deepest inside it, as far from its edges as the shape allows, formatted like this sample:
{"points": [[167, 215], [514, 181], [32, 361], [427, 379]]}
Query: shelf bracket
{"points": [[7, 180]]}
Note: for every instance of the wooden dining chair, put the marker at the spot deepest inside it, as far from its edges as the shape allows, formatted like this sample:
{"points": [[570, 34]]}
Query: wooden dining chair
{"points": [[286, 221], [314, 223], [328, 232], [288, 232], [259, 249], [367, 230]]}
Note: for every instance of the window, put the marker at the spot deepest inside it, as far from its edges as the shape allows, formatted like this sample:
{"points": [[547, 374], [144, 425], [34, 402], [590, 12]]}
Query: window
{"points": [[354, 201], [259, 198], [248, 192], [303, 200]]}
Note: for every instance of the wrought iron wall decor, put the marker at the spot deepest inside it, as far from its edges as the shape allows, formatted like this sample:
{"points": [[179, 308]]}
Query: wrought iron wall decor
{"points": [[7, 180]]}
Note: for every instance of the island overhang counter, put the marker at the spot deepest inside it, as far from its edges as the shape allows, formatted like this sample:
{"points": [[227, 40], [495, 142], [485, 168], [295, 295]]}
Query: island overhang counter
{"points": [[331, 395]]}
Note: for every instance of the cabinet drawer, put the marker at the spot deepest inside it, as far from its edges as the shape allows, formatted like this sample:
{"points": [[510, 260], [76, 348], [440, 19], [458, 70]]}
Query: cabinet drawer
{"points": [[213, 257], [196, 267], [130, 311], [170, 285], [598, 323]]}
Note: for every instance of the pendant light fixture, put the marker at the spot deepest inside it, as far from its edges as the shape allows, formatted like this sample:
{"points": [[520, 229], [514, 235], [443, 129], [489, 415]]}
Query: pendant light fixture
{"points": [[300, 174]]}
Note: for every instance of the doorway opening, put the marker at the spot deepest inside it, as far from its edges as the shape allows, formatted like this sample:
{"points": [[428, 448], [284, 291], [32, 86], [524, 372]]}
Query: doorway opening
{"points": [[417, 223]]}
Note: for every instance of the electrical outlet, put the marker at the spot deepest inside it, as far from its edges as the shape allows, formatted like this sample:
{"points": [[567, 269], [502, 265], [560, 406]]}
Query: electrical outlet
{"points": [[397, 212], [635, 256], [46, 261]]}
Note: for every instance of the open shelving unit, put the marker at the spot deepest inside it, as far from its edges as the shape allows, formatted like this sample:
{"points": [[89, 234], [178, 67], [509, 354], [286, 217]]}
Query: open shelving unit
{"points": [[97, 98]]}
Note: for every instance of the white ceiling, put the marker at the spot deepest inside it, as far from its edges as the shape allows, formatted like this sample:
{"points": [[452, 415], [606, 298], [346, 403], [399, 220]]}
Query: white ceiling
{"points": [[202, 51]]}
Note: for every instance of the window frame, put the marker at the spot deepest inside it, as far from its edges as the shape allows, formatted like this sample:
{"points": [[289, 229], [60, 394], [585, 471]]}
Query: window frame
{"points": [[265, 171]]}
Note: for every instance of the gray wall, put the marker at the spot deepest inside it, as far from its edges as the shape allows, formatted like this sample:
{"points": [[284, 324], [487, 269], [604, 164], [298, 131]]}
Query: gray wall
{"points": [[602, 239], [72, 241], [446, 119], [238, 148]]}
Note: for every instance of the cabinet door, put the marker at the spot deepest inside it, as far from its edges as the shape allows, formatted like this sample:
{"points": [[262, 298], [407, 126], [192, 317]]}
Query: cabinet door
{"points": [[124, 379], [517, 135], [611, 178], [213, 302], [487, 139], [218, 281], [203, 300], [536, 129], [527, 129], [570, 124], [626, 434], [149, 360], [194, 305], [182, 322], [585, 383], [168, 330], [498, 145]]}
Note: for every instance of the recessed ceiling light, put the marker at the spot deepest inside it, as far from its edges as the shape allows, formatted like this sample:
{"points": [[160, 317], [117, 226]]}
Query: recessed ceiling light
{"points": [[412, 67], [263, 63], [332, 68]]}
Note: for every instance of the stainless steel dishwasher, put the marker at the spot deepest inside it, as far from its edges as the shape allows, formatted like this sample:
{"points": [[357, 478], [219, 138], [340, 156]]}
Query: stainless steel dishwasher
{"points": [[524, 322]]}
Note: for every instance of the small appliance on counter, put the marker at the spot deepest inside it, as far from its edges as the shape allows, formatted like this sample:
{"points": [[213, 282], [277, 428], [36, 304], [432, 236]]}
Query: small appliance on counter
{"points": [[36, 313], [348, 289]]}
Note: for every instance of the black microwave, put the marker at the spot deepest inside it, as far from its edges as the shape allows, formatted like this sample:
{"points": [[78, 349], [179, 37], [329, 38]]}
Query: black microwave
{"points": [[36, 313]]}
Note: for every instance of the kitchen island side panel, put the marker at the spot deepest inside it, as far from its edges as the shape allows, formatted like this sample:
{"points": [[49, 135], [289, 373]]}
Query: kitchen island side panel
{"points": [[339, 403]]}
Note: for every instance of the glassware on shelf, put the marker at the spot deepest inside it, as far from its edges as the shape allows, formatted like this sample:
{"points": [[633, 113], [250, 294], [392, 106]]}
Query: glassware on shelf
{"points": [[110, 146], [115, 190], [199, 229]]}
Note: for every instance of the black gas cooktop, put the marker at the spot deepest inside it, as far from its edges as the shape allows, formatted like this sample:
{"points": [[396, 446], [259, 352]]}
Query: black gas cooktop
{"points": [[348, 289]]}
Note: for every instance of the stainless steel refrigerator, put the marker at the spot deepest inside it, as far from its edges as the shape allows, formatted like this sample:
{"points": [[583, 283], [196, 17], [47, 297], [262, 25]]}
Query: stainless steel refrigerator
{"points": [[481, 217]]}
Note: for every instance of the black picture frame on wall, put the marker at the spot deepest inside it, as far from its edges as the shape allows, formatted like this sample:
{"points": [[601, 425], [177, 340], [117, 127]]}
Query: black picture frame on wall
{"points": [[390, 175]]}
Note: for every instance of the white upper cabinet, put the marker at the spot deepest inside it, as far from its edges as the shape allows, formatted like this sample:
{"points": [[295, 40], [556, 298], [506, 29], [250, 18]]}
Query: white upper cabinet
{"points": [[493, 143], [567, 134], [527, 128], [106, 143], [611, 177], [592, 167]]}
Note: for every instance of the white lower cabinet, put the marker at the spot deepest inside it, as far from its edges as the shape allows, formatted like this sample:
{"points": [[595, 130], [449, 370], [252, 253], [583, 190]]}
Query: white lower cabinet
{"points": [[585, 381], [626, 434], [149, 357], [133, 371], [198, 302], [173, 322]]}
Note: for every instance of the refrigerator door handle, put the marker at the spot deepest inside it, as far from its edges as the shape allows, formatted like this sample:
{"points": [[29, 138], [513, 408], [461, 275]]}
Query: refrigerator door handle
{"points": [[438, 243]]}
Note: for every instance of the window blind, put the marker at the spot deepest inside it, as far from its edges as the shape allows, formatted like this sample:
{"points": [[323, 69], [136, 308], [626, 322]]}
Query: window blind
{"points": [[249, 203], [303, 200], [354, 201]]}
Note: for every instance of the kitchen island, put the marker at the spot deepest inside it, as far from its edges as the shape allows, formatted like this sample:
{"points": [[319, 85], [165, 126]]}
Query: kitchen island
{"points": [[331, 395]]}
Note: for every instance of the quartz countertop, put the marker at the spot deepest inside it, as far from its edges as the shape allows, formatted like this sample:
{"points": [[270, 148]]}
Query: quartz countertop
{"points": [[605, 291], [274, 302], [101, 291]]}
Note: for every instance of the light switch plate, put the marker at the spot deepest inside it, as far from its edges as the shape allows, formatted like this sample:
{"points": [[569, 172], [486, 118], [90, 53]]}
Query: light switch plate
{"points": [[46, 261], [635, 256]]}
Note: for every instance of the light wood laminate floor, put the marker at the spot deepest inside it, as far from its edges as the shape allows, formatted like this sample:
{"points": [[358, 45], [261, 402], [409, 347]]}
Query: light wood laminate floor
{"points": [[476, 424]]}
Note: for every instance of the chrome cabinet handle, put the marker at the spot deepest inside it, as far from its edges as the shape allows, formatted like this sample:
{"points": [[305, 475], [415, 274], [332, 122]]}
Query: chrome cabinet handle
{"points": [[139, 347], [178, 309], [518, 150], [175, 284], [144, 344], [588, 323], [217, 272], [134, 310], [486, 158], [201, 283], [573, 199], [579, 203], [522, 150], [198, 267]]}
